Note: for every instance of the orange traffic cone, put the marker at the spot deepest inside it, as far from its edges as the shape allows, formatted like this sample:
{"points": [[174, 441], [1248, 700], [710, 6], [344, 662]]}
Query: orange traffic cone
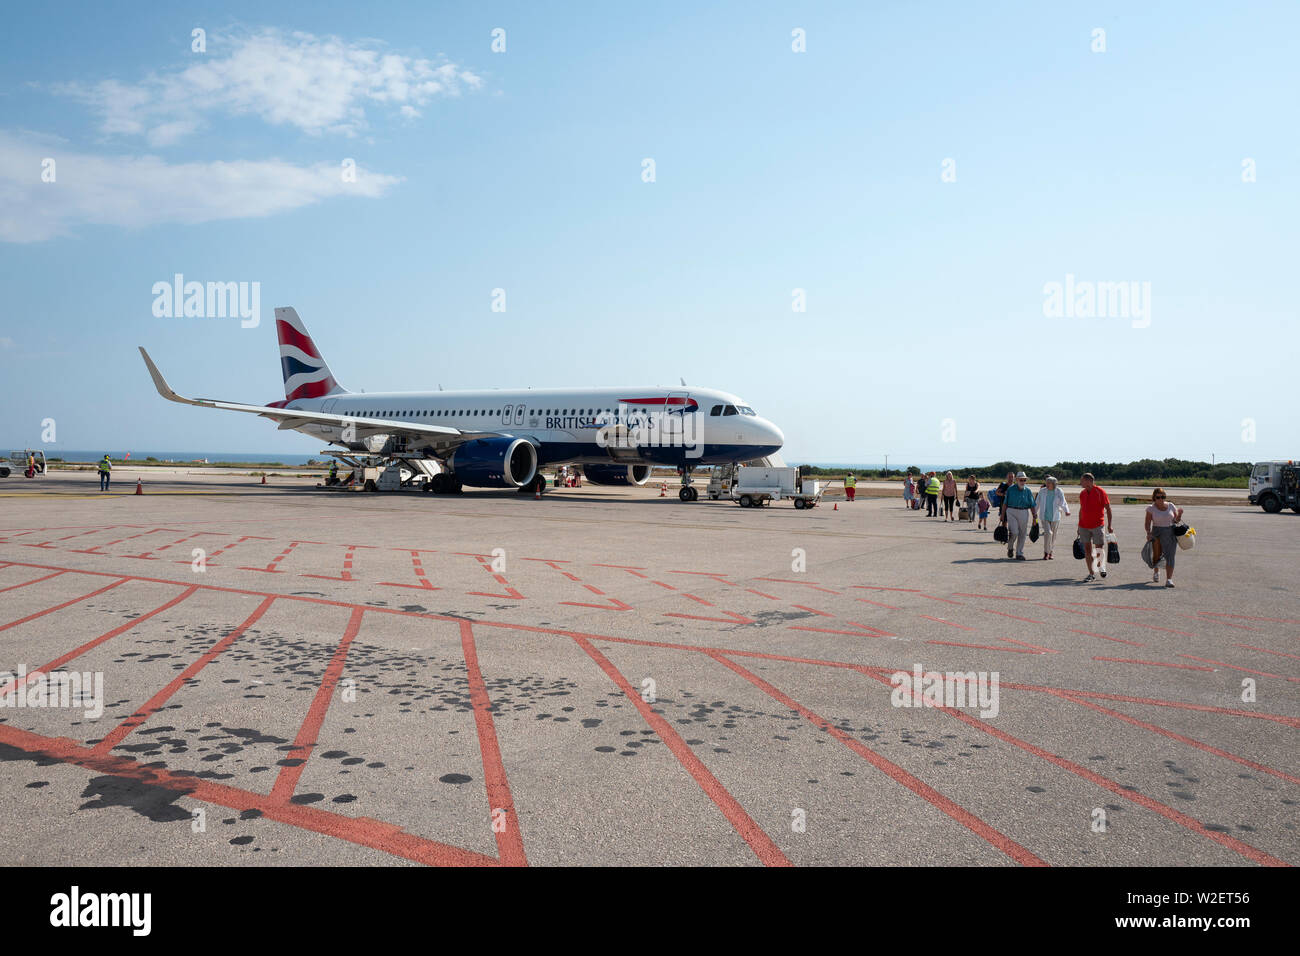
{"points": [[837, 507], [138, 489], [663, 489]]}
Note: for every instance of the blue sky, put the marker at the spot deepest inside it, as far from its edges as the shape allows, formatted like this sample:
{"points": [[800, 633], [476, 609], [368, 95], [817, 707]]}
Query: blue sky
{"points": [[924, 338]]}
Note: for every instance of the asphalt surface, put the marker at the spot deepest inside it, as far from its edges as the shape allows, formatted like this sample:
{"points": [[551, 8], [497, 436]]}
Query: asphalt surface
{"points": [[606, 676]]}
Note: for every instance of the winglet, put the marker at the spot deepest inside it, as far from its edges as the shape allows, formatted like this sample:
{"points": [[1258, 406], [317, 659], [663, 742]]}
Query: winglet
{"points": [[160, 383]]}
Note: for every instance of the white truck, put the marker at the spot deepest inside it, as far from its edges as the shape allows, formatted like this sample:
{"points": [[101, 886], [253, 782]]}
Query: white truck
{"points": [[755, 487], [1275, 485]]}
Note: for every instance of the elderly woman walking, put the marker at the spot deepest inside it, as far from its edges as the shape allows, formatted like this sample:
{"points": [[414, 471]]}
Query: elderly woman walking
{"points": [[908, 491], [1162, 515], [1051, 505]]}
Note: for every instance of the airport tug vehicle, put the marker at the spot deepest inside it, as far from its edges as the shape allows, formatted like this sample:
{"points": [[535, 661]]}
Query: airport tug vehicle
{"points": [[1275, 485]]}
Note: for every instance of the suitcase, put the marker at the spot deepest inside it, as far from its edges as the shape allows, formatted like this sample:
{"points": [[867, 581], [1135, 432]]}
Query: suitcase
{"points": [[963, 515], [916, 505]]}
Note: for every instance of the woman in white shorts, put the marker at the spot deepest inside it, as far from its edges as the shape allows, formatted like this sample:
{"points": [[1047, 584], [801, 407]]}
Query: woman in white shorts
{"points": [[1162, 515]]}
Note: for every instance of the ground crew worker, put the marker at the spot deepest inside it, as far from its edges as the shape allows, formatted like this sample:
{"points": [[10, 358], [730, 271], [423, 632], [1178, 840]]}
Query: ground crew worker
{"points": [[334, 472], [850, 486], [105, 469], [932, 488], [31, 465]]}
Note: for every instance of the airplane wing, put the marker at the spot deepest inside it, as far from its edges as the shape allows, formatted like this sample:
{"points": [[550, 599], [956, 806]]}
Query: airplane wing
{"points": [[445, 438]]}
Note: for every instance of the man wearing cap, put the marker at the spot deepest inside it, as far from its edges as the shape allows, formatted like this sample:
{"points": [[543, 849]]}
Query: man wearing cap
{"points": [[1017, 506], [1051, 505]]}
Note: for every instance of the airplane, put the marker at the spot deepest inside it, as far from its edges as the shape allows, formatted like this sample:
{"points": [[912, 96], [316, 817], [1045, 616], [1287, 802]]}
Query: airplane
{"points": [[492, 438]]}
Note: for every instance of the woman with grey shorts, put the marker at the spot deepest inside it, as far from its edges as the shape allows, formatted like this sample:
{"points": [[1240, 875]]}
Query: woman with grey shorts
{"points": [[1162, 515]]}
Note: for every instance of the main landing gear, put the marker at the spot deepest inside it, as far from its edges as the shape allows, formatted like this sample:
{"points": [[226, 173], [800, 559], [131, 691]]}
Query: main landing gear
{"points": [[443, 484], [687, 493]]}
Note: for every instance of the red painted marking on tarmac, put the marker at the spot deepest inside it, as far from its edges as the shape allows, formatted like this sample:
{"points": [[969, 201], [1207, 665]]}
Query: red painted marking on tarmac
{"points": [[949, 623], [1169, 813], [1130, 660], [270, 568], [991, 597], [734, 652], [14, 587], [153, 551], [242, 539], [1104, 637], [510, 840], [1045, 650], [95, 549], [287, 781], [107, 636], [668, 587], [995, 838], [347, 566], [1064, 610], [767, 852], [869, 587], [831, 630], [1167, 630], [1244, 670], [1027, 620], [698, 599], [1247, 617], [59, 607], [1113, 607], [1208, 748], [614, 605], [731, 618], [91, 531], [812, 610], [931, 597], [154, 704], [622, 567], [1265, 650], [984, 647], [363, 831], [770, 597], [499, 578], [878, 604], [420, 576]]}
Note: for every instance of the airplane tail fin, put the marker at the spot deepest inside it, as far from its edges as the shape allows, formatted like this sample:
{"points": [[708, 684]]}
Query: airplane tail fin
{"points": [[305, 373]]}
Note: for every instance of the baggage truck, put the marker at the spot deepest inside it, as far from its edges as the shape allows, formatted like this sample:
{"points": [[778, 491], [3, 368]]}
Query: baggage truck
{"points": [[756, 486]]}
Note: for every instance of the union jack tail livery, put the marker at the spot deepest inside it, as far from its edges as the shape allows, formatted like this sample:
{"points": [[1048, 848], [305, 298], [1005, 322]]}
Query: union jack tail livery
{"points": [[305, 373]]}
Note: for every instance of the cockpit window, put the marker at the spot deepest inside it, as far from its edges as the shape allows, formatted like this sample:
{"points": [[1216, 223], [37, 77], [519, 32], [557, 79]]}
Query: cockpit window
{"points": [[746, 410], [729, 410], [715, 410]]}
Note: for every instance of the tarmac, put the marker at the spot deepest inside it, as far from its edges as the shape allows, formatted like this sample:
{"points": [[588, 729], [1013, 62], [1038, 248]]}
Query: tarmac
{"points": [[609, 677]]}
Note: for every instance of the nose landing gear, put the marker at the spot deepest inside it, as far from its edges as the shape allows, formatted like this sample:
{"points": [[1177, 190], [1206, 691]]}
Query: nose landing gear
{"points": [[687, 493]]}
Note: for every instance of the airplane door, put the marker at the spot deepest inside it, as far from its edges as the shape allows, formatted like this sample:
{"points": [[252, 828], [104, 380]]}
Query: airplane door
{"points": [[674, 423], [505, 414], [519, 414]]}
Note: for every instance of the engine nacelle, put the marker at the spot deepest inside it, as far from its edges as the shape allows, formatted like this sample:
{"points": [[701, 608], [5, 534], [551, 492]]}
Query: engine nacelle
{"points": [[495, 463], [617, 474]]}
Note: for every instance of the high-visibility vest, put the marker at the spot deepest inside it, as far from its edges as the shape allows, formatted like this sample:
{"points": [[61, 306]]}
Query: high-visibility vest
{"points": [[105, 464], [850, 482], [933, 487]]}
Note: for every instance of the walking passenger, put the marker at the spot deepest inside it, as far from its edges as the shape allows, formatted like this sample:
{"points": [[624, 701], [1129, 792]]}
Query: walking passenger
{"points": [[1017, 505], [1162, 515], [1051, 505], [972, 497], [1094, 504], [908, 491], [949, 497]]}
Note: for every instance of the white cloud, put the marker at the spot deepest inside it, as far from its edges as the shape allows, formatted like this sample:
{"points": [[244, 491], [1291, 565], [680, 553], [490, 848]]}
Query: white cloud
{"points": [[137, 191], [318, 84]]}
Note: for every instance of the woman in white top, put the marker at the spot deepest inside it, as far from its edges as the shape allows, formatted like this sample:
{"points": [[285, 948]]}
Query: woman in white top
{"points": [[1162, 515], [1051, 505]]}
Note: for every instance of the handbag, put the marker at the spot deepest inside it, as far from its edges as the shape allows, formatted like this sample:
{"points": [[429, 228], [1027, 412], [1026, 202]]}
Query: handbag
{"points": [[1187, 541], [1148, 557], [1033, 532], [1180, 530], [1000, 534], [1078, 548], [1112, 549]]}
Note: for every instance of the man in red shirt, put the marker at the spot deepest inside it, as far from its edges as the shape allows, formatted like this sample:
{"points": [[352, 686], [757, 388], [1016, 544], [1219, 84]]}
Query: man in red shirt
{"points": [[1094, 504]]}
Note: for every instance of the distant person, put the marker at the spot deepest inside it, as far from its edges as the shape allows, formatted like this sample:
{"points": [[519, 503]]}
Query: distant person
{"points": [[999, 493], [850, 485], [1051, 505], [908, 490], [932, 489], [972, 497], [31, 465], [1017, 505], [949, 497], [1162, 515], [1094, 505], [105, 470], [984, 513], [334, 473]]}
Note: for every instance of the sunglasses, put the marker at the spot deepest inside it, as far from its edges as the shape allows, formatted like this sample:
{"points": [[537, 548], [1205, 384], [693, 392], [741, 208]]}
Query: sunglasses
{"points": [[1159, 497]]}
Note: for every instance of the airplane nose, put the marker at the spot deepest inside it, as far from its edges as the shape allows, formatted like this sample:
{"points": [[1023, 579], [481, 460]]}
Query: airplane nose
{"points": [[772, 435]]}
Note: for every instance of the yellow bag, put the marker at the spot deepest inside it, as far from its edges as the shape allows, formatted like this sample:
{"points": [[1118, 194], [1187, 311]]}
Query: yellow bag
{"points": [[1187, 541]]}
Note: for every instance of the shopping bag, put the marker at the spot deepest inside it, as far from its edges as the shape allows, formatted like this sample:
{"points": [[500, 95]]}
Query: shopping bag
{"points": [[1187, 541], [1148, 554], [1112, 549]]}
